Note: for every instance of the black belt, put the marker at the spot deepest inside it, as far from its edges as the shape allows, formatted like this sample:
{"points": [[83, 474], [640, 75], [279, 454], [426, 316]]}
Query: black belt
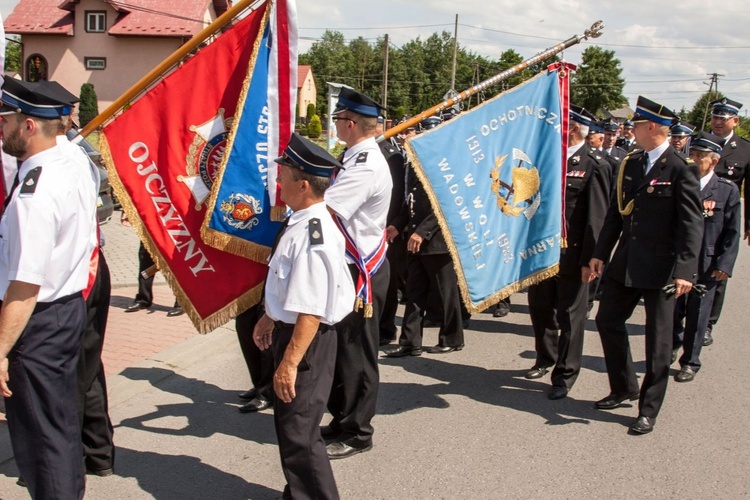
{"points": [[41, 306], [282, 326]]}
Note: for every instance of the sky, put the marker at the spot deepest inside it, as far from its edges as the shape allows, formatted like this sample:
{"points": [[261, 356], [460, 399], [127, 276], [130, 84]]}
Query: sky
{"points": [[667, 49]]}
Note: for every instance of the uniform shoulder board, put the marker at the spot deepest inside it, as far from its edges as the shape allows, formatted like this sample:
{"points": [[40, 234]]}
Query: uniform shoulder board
{"points": [[361, 158], [725, 181], [682, 156], [316, 231], [31, 181]]}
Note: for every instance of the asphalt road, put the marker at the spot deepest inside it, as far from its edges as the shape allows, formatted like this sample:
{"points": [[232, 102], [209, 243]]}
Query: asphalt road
{"points": [[459, 425]]}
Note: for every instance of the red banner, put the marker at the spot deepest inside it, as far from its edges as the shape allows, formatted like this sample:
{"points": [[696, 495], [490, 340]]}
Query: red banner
{"points": [[162, 155]]}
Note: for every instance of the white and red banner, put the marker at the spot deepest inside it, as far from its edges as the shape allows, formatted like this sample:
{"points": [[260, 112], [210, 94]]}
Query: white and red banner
{"points": [[163, 153]]}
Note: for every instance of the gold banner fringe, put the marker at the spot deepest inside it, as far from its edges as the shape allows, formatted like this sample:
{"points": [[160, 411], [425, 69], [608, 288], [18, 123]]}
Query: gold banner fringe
{"points": [[203, 325], [212, 237], [471, 307], [278, 213]]}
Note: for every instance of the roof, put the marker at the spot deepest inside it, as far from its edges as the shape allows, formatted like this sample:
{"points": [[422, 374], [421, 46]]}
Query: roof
{"points": [[302, 72], [40, 17], [170, 18]]}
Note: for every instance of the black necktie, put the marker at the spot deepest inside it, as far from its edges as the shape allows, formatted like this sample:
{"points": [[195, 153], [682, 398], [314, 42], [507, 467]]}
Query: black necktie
{"points": [[645, 164], [16, 182], [278, 237]]}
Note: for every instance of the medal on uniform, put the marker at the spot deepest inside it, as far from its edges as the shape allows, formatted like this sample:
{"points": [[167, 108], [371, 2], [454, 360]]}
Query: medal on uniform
{"points": [[708, 208], [650, 189]]}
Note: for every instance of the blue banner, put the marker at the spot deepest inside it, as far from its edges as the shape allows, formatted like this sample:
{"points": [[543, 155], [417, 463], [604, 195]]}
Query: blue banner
{"points": [[494, 177], [239, 218]]}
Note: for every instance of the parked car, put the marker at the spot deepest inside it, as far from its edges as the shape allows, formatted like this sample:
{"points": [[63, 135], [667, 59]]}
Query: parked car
{"points": [[104, 204]]}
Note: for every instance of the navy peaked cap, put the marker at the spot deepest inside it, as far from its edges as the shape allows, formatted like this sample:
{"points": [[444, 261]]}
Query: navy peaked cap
{"points": [[33, 99], [648, 110], [357, 103], [308, 157], [703, 141]]}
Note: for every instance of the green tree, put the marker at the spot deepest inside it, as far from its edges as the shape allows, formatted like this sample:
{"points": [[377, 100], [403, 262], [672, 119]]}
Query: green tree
{"points": [[310, 111], [597, 85], [89, 106], [314, 127], [13, 55], [698, 113]]}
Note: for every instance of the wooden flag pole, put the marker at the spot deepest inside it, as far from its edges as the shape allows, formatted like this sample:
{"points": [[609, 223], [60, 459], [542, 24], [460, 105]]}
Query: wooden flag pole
{"points": [[594, 32], [168, 63]]}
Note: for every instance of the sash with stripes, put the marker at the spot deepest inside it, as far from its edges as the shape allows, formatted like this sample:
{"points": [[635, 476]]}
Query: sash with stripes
{"points": [[367, 265]]}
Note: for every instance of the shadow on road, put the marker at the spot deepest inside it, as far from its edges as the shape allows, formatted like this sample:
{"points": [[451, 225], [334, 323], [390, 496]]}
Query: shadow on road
{"points": [[210, 410], [505, 388], [182, 476]]}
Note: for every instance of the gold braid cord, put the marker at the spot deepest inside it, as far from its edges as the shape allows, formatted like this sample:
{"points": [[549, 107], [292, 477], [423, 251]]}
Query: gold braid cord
{"points": [[203, 325], [218, 239], [628, 209]]}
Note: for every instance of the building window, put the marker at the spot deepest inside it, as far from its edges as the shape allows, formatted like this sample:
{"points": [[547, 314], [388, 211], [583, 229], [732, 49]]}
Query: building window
{"points": [[95, 62], [36, 68], [96, 21]]}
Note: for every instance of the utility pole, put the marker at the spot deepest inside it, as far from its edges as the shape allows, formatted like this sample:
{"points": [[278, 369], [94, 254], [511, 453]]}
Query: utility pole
{"points": [[385, 78], [714, 82], [455, 50]]}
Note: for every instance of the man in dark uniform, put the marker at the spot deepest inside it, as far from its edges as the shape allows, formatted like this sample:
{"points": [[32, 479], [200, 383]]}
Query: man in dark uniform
{"points": [[595, 137], [721, 241], [430, 274], [627, 141], [679, 136], [615, 154], [44, 266], [655, 219], [734, 165], [308, 290], [558, 305], [396, 253]]}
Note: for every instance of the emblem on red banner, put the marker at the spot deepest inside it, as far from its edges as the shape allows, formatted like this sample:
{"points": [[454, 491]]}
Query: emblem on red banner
{"points": [[205, 155]]}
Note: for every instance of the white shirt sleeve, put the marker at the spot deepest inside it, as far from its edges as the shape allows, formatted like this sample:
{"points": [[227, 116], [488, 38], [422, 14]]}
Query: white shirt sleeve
{"points": [[350, 191], [33, 226]]}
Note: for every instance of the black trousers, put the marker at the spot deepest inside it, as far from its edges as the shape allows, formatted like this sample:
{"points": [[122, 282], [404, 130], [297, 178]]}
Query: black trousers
{"points": [[93, 405], [303, 452], [397, 260], [259, 363], [42, 414], [616, 306], [431, 278], [696, 312], [557, 307], [145, 293], [717, 304], [354, 393]]}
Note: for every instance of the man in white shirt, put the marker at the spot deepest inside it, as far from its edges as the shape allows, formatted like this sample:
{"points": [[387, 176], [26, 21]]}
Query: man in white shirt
{"points": [[359, 198], [47, 235], [308, 291]]}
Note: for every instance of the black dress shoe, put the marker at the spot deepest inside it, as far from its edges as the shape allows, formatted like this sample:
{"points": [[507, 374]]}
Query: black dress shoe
{"points": [[686, 375], [339, 449], [557, 392], [443, 349], [384, 341], [20, 482], [501, 310], [708, 339], [248, 395], [402, 351], [255, 405], [614, 400], [136, 306], [328, 432], [100, 472], [536, 372], [175, 311], [643, 425]]}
